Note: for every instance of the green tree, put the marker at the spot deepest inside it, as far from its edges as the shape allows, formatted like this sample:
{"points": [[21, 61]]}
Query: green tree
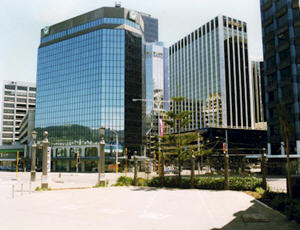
{"points": [[179, 144]]}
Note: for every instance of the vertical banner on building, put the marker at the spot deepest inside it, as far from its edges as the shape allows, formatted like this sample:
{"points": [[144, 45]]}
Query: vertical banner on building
{"points": [[49, 159], [161, 127]]}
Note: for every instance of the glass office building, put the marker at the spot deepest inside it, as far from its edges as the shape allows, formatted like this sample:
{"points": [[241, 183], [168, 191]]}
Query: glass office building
{"points": [[89, 69], [151, 28], [210, 68], [157, 79], [281, 47], [258, 91]]}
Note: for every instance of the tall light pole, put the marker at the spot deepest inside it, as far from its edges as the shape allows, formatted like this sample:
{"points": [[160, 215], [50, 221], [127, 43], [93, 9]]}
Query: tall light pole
{"points": [[117, 150], [44, 163], [101, 161], [226, 163], [33, 155]]}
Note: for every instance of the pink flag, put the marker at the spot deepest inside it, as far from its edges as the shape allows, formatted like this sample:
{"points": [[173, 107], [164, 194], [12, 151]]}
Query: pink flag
{"points": [[161, 127]]}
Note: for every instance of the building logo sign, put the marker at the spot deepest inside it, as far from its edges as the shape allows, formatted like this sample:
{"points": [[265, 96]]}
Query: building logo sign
{"points": [[46, 30], [132, 15], [155, 54]]}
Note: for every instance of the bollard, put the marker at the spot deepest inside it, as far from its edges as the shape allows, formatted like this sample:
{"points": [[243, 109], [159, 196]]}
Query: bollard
{"points": [[135, 171], [226, 172], [13, 191], [193, 170]]}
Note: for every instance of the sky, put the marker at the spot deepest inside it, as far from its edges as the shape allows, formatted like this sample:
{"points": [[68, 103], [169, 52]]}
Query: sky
{"points": [[22, 20]]}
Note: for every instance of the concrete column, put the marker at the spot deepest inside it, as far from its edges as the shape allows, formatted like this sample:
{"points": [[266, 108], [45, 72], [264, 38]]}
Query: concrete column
{"points": [[226, 171], [269, 149], [33, 161], [298, 147], [68, 165], [82, 166], [193, 171], [44, 163], [68, 151], [264, 170], [135, 171], [282, 148]]}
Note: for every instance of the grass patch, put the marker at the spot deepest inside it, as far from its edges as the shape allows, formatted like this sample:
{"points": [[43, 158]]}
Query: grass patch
{"points": [[98, 185], [42, 189]]}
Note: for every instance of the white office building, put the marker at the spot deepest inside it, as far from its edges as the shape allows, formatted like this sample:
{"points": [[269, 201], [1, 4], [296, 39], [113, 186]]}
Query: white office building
{"points": [[18, 98]]}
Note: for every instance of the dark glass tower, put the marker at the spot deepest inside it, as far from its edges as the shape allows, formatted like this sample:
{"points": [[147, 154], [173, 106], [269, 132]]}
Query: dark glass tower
{"points": [[151, 28], [281, 44], [89, 69]]}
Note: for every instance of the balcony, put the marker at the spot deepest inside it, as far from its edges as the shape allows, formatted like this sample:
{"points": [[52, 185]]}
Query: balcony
{"points": [[271, 70], [282, 29], [267, 5], [284, 64], [285, 82], [281, 11], [269, 36], [297, 22], [268, 21], [295, 4], [283, 45], [270, 53]]}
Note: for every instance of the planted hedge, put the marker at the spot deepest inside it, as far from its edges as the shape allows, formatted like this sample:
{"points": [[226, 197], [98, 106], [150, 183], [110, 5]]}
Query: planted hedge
{"points": [[213, 183], [128, 181], [282, 203]]}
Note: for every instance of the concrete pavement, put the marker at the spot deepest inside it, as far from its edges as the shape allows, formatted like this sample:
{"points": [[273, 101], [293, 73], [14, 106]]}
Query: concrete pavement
{"points": [[130, 208]]}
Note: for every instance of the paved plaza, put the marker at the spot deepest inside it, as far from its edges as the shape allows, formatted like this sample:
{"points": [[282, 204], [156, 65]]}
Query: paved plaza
{"points": [[127, 207]]}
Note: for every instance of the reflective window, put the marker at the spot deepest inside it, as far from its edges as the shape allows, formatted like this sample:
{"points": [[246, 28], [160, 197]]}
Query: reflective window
{"points": [[80, 87]]}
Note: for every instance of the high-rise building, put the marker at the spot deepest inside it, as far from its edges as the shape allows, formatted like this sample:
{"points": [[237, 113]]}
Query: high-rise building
{"points": [[151, 27], [258, 94], [281, 47], [90, 67], [18, 98], [157, 82], [210, 68]]}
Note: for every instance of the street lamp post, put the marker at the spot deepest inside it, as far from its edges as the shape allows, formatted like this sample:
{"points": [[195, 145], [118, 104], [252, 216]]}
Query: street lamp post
{"points": [[44, 163], [117, 151], [33, 155], [101, 161], [264, 168], [226, 164]]}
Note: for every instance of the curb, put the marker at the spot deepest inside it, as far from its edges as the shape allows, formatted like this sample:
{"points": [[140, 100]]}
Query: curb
{"points": [[266, 206]]}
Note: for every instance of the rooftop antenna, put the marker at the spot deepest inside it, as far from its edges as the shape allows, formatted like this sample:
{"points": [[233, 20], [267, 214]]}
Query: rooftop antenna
{"points": [[118, 4]]}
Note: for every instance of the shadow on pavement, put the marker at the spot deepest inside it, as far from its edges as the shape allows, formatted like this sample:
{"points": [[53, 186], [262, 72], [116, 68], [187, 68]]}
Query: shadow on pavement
{"points": [[149, 189], [259, 217]]}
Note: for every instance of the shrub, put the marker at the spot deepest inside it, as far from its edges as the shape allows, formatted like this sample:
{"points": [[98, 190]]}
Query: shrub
{"points": [[213, 183], [141, 182], [260, 191], [124, 181], [282, 203], [244, 183], [155, 182]]}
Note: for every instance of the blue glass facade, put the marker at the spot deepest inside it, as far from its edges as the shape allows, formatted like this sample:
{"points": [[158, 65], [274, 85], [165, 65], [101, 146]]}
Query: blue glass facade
{"points": [[81, 85], [151, 28], [281, 35], [87, 77]]}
